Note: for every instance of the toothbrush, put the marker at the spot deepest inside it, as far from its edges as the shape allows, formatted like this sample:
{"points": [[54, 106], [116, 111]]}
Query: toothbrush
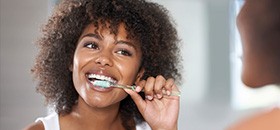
{"points": [[107, 84]]}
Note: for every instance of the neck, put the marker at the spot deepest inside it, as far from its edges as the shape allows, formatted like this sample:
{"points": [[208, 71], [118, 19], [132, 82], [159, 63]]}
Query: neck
{"points": [[89, 117]]}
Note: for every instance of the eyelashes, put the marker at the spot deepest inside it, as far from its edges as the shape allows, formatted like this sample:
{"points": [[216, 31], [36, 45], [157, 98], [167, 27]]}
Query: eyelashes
{"points": [[91, 45], [119, 50], [124, 52]]}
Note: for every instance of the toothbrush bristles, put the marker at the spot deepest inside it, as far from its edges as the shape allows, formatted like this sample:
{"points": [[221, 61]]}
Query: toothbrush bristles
{"points": [[102, 83]]}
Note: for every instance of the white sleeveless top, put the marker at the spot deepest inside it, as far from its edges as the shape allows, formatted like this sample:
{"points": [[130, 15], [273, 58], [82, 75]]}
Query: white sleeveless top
{"points": [[51, 122]]}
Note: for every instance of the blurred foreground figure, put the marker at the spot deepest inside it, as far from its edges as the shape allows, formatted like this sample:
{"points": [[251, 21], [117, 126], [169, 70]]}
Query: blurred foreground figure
{"points": [[259, 26]]}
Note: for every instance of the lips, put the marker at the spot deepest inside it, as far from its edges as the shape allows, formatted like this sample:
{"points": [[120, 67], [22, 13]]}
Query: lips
{"points": [[105, 77]]}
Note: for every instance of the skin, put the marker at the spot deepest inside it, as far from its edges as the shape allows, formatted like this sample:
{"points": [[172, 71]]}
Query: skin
{"points": [[259, 26], [105, 54], [115, 56], [102, 54], [258, 23]]}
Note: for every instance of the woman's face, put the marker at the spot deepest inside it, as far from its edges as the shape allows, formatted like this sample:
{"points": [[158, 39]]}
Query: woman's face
{"points": [[103, 55]]}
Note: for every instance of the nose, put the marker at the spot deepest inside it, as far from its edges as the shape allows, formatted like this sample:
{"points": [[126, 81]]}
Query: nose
{"points": [[104, 59]]}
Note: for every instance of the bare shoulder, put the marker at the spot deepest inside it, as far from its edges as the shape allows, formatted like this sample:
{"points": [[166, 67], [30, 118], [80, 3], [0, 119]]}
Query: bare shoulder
{"points": [[35, 126], [263, 121]]}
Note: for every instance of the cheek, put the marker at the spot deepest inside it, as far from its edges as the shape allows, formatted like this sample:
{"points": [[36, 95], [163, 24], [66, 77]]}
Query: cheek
{"points": [[79, 60], [129, 70], [75, 70], [76, 64]]}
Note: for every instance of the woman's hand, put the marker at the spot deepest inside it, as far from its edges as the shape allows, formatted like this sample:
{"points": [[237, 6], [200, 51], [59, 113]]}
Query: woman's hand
{"points": [[160, 109]]}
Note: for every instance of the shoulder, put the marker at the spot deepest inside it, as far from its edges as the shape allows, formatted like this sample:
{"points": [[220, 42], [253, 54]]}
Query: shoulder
{"points": [[35, 126], [263, 121]]}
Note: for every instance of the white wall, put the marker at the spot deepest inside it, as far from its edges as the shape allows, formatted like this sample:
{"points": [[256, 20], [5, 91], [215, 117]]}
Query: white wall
{"points": [[19, 25], [203, 26]]}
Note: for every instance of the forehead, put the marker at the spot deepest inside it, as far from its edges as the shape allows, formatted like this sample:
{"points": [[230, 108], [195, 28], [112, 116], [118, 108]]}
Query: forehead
{"points": [[106, 29], [119, 33]]}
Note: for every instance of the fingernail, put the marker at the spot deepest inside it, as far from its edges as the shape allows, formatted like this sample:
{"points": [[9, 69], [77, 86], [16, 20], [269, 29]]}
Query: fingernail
{"points": [[149, 97], [138, 89], [168, 93], [159, 96], [164, 91]]}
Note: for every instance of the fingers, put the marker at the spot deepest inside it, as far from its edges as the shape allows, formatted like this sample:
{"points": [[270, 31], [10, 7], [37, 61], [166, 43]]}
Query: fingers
{"points": [[159, 84], [149, 88], [168, 86], [156, 87], [140, 85]]}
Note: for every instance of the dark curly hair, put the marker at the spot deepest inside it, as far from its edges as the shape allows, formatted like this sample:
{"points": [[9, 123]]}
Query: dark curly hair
{"points": [[146, 22]]}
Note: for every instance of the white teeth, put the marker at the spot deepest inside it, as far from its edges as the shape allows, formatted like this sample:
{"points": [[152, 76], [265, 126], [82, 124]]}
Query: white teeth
{"points": [[101, 77]]}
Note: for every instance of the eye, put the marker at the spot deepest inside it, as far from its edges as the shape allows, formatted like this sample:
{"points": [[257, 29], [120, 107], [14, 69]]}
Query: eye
{"points": [[91, 45], [124, 52]]}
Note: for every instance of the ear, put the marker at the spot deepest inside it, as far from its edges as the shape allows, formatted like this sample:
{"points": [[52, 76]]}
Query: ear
{"points": [[71, 67], [140, 75]]}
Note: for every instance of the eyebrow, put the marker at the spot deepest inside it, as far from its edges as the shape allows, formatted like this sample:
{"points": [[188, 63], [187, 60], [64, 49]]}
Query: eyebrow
{"points": [[92, 35], [117, 42], [127, 43]]}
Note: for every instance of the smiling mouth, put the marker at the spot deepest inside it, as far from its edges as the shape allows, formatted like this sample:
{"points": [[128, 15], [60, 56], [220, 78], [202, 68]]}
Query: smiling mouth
{"points": [[93, 77]]}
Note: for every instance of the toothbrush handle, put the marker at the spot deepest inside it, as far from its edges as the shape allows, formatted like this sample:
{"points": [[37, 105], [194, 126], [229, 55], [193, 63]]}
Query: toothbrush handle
{"points": [[133, 87]]}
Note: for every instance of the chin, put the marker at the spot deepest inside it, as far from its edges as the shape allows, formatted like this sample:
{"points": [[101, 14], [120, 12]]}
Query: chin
{"points": [[98, 101], [252, 81], [101, 104], [258, 81], [251, 84]]}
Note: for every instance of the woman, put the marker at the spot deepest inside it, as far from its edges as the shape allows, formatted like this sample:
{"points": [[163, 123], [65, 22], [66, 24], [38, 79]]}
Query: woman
{"points": [[128, 42]]}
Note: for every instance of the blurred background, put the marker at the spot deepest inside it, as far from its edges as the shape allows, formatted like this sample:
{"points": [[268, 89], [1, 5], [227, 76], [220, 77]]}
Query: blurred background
{"points": [[213, 97]]}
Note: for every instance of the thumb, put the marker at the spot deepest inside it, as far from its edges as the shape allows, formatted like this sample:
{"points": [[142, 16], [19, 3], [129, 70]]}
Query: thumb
{"points": [[140, 103]]}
